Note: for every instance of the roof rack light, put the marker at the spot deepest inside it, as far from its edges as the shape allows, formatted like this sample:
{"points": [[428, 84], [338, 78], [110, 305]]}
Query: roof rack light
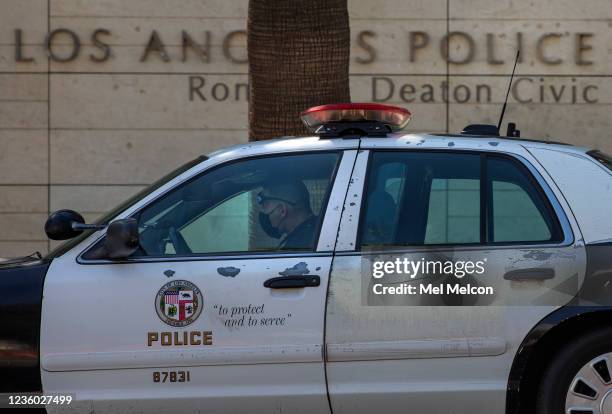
{"points": [[367, 119]]}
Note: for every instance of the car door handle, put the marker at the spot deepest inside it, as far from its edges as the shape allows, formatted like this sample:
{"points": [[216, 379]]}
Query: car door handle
{"points": [[292, 282], [530, 274]]}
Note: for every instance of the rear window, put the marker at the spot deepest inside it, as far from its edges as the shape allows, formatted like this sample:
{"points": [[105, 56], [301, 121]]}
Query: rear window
{"points": [[605, 159], [416, 198]]}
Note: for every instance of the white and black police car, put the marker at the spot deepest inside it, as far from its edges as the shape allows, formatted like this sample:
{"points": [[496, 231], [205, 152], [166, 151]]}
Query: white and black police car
{"points": [[242, 282]]}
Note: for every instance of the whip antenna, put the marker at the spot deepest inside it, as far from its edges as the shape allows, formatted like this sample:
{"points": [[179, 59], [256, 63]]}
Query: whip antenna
{"points": [[501, 118]]}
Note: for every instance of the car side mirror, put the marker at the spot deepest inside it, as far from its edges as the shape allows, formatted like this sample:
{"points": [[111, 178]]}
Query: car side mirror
{"points": [[64, 225], [122, 238]]}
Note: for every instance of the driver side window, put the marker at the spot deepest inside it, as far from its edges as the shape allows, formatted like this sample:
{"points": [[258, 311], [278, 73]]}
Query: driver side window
{"points": [[231, 214], [255, 205]]}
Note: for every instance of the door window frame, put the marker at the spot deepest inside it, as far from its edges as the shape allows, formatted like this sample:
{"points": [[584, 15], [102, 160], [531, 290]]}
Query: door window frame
{"points": [[553, 207], [227, 255]]}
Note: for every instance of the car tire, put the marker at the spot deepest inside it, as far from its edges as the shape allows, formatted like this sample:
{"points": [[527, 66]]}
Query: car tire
{"points": [[569, 365]]}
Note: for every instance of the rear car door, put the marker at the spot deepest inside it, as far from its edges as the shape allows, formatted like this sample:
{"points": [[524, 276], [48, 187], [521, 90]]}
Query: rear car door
{"points": [[211, 313], [446, 204]]}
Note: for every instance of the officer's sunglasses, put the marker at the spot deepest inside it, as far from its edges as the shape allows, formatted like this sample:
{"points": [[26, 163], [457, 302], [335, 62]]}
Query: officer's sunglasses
{"points": [[260, 199]]}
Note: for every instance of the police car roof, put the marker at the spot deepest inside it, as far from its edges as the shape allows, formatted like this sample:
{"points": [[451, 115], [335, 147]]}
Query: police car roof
{"points": [[283, 144], [530, 142], [393, 140]]}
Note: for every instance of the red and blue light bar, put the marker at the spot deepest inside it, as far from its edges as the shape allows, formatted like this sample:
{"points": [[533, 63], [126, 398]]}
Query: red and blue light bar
{"points": [[395, 117]]}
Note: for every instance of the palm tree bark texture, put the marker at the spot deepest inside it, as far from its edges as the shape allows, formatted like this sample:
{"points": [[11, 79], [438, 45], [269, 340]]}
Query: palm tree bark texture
{"points": [[298, 58]]}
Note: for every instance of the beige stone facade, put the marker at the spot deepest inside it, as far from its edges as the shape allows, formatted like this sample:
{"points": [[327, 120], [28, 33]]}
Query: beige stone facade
{"points": [[89, 115]]}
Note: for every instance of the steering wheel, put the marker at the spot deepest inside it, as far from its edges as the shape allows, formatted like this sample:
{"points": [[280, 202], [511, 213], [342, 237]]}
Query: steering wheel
{"points": [[178, 242], [156, 236]]}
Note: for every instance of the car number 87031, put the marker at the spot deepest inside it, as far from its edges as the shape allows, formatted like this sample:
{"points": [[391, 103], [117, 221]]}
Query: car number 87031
{"points": [[171, 376]]}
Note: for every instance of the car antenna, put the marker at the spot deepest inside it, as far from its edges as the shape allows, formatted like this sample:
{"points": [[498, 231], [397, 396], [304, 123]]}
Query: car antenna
{"points": [[512, 131]]}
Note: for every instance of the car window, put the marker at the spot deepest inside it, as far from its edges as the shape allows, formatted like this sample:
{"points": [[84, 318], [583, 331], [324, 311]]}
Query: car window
{"points": [[453, 215], [254, 205], [261, 204], [518, 211], [417, 198], [209, 232], [448, 198]]}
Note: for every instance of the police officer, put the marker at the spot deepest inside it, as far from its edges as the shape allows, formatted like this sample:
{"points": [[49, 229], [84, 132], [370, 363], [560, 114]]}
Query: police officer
{"points": [[285, 210]]}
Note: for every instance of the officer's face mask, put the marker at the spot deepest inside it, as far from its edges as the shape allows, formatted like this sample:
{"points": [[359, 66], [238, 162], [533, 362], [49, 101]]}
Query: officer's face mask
{"points": [[266, 224], [271, 220]]}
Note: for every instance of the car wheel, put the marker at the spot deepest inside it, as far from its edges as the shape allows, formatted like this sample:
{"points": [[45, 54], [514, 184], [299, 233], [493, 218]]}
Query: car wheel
{"points": [[578, 380]]}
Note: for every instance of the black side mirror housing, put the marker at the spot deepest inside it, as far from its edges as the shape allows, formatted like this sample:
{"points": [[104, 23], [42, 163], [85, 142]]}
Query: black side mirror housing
{"points": [[60, 225], [122, 238]]}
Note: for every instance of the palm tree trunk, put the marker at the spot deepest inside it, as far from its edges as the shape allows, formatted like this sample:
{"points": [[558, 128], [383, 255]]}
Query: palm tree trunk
{"points": [[298, 57]]}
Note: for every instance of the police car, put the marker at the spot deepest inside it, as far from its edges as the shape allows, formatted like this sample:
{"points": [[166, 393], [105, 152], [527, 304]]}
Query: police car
{"points": [[242, 282]]}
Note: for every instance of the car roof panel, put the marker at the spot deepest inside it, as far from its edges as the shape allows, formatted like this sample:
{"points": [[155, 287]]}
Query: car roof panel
{"points": [[284, 144]]}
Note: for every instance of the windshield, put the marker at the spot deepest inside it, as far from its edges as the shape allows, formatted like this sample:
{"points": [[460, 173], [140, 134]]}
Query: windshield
{"points": [[104, 219]]}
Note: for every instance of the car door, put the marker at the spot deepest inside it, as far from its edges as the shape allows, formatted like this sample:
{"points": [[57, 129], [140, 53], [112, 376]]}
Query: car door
{"points": [[443, 351], [211, 314]]}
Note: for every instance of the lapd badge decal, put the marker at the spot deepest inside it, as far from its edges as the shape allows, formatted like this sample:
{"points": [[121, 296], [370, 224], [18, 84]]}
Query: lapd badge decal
{"points": [[179, 303]]}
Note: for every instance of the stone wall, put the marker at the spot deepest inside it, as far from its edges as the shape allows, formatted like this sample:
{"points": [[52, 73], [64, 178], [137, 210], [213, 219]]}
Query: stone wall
{"points": [[99, 98]]}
